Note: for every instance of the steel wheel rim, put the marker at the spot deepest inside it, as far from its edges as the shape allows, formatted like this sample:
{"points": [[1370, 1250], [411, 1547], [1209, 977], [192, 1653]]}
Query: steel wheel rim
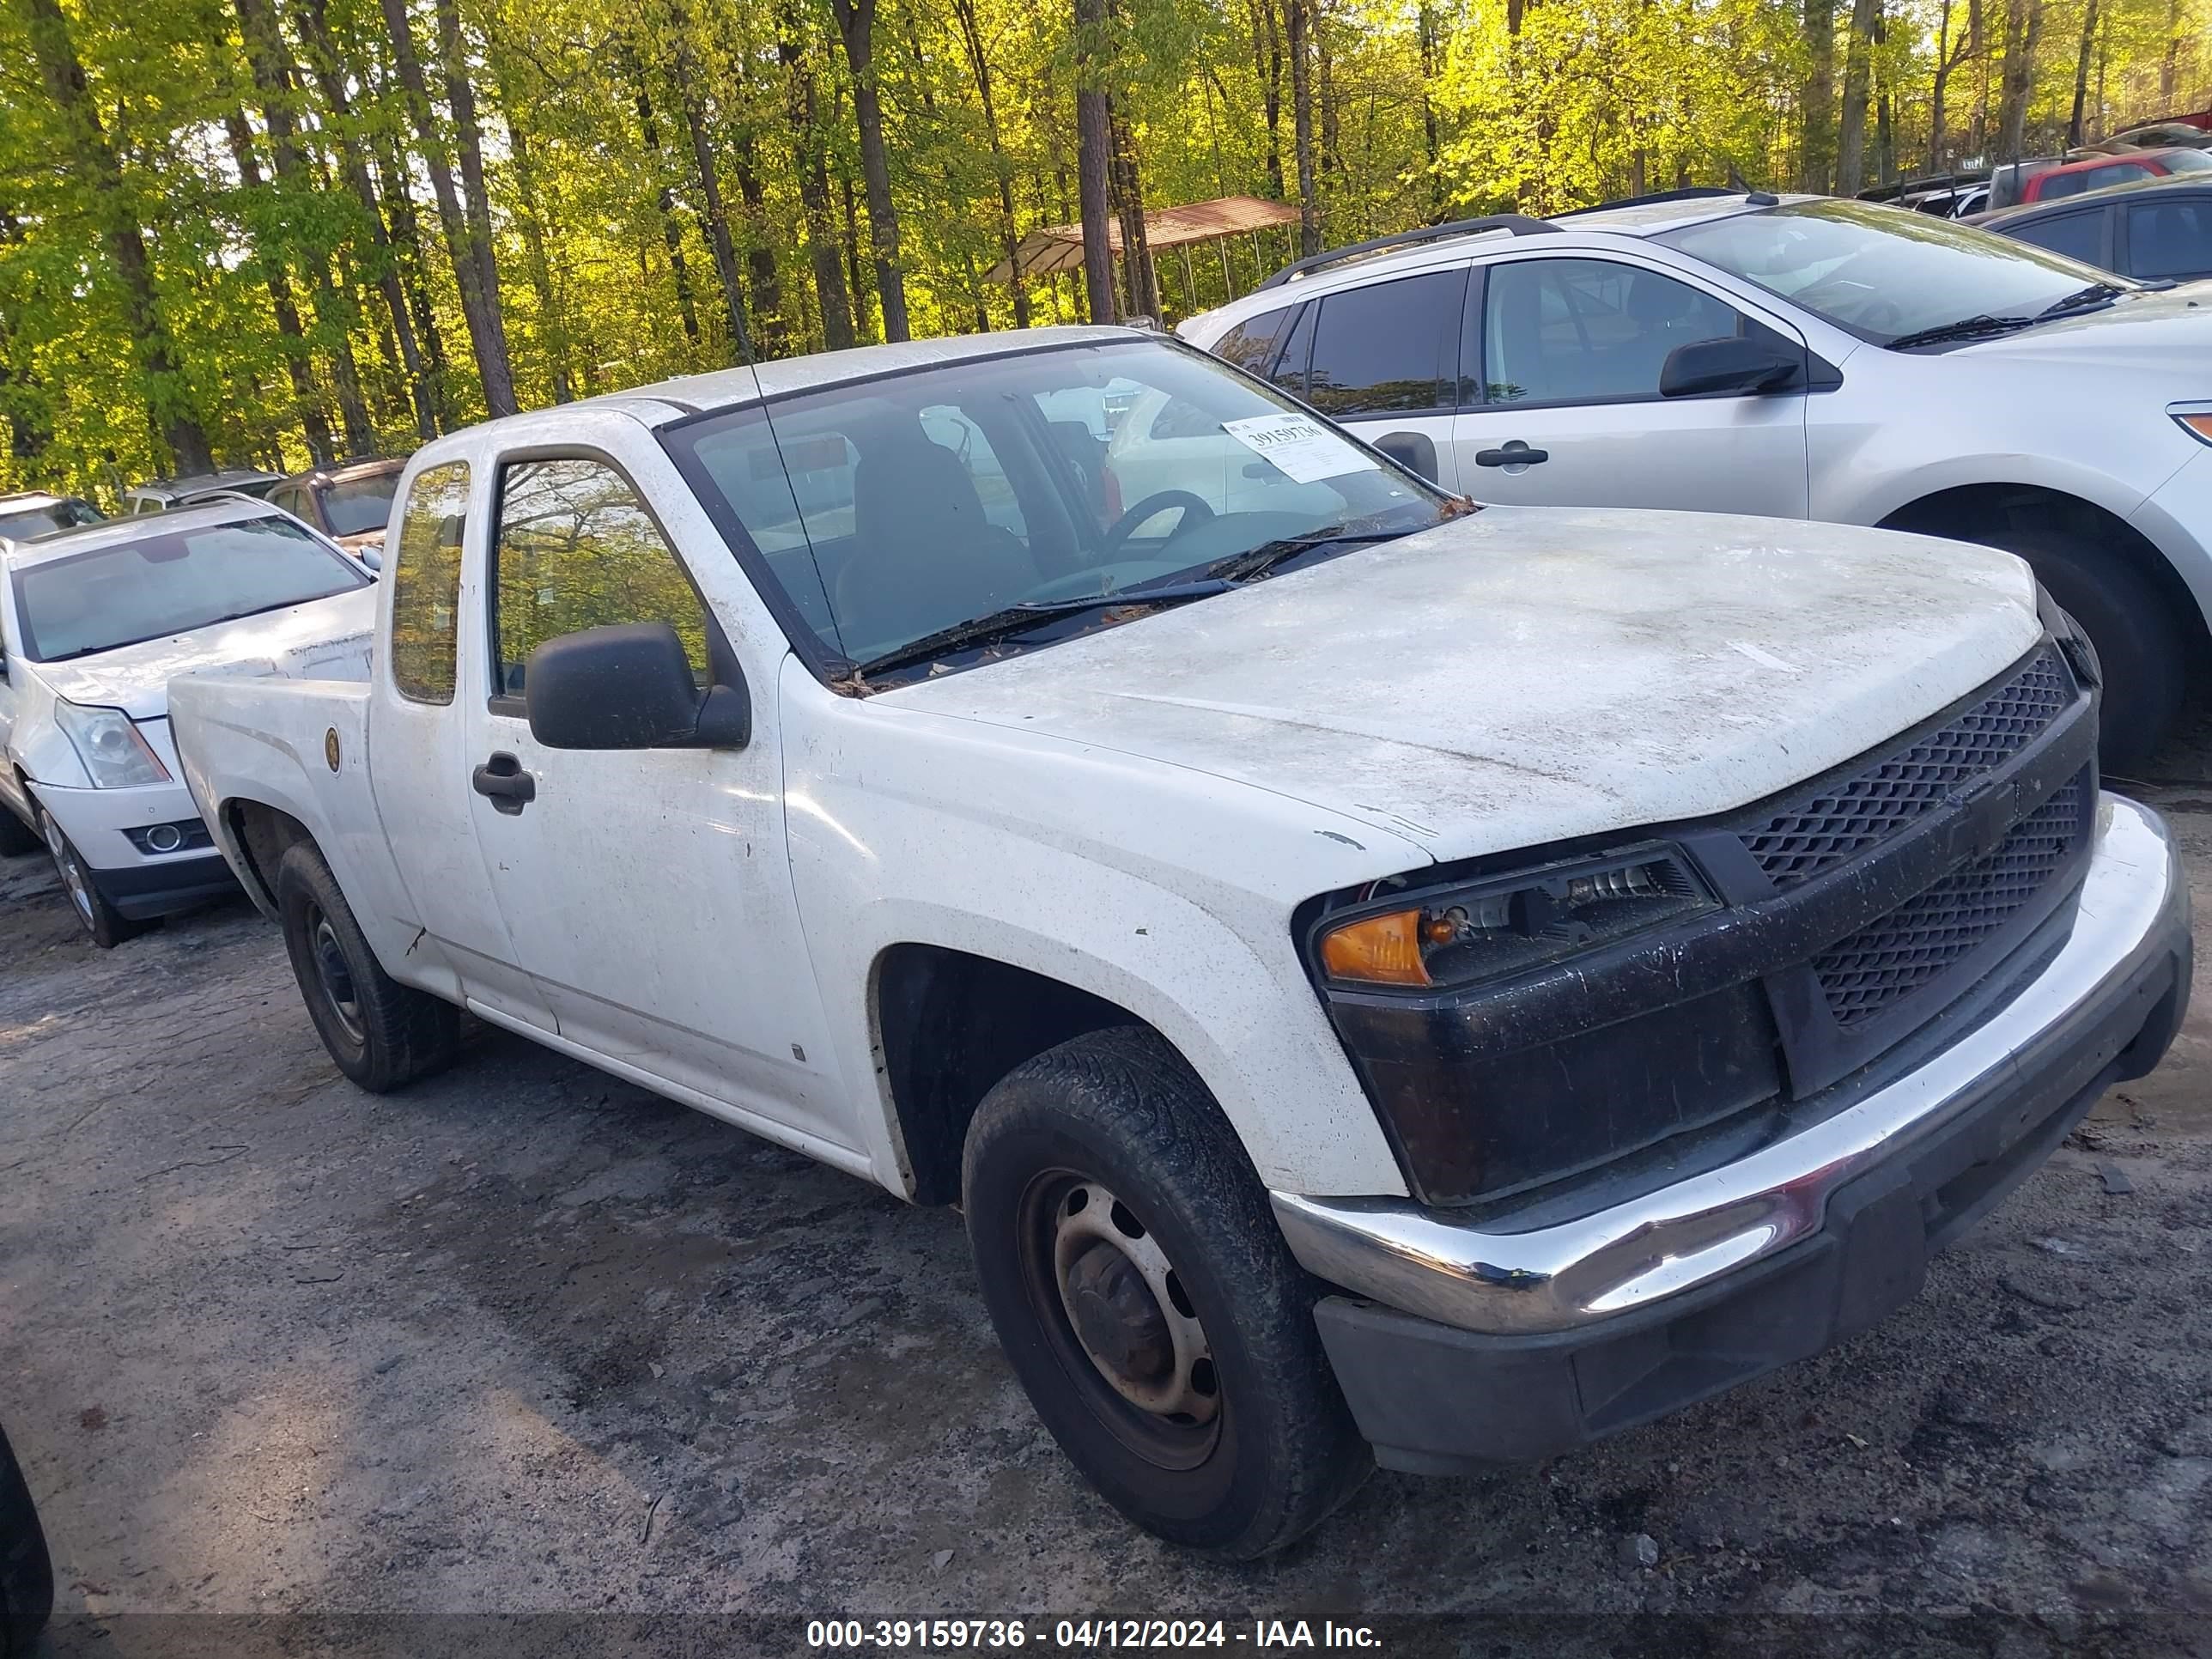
{"points": [[334, 975], [73, 881], [1115, 1311]]}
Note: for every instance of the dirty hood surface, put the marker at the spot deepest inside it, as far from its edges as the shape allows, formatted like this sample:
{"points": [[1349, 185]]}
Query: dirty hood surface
{"points": [[1526, 675], [322, 639]]}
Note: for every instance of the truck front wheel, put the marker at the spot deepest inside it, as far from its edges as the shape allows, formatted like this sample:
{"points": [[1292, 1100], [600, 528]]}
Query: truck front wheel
{"points": [[382, 1034], [1146, 1298]]}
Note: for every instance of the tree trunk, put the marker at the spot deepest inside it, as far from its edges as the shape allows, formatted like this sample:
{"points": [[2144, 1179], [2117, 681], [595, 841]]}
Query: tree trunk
{"points": [[979, 63], [1325, 78], [1817, 130], [314, 424], [1943, 62], [1425, 18], [1268, 67], [269, 61], [2023, 33], [94, 161], [2081, 72], [771, 334], [672, 232], [1858, 53], [717, 214], [552, 325], [2170, 64], [479, 301], [1140, 276], [856, 26], [1094, 147], [1299, 17], [855, 278], [814, 185], [313, 21], [461, 98]]}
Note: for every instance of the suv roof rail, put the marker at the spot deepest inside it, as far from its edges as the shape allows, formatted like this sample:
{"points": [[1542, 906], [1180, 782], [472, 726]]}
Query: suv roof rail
{"points": [[1688, 193], [1519, 223]]}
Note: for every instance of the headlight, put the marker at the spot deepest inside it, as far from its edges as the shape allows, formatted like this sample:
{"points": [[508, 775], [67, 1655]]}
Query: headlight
{"points": [[1507, 925], [110, 745]]}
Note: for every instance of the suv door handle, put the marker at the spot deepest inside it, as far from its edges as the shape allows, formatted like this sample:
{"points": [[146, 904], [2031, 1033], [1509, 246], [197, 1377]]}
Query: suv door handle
{"points": [[1515, 453], [502, 782]]}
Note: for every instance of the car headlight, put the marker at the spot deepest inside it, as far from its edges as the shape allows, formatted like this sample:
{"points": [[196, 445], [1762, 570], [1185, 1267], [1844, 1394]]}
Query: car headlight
{"points": [[114, 752], [1495, 928]]}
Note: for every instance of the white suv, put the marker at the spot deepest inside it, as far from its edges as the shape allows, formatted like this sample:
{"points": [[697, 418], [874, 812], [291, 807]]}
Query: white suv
{"points": [[93, 623], [1800, 357]]}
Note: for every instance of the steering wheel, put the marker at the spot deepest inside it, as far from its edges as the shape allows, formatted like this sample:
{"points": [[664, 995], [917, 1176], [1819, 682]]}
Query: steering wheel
{"points": [[1157, 502]]}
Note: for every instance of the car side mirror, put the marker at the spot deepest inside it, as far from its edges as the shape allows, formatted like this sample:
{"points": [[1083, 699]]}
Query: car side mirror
{"points": [[628, 686], [1734, 362], [372, 559], [1414, 451]]}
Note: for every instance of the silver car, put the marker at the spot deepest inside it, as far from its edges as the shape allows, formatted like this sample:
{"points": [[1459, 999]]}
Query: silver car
{"points": [[1802, 357]]}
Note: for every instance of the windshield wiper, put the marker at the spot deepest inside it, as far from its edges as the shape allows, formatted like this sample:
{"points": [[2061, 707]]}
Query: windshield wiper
{"points": [[1966, 328], [1258, 561], [1970, 328], [2092, 298], [1020, 618]]}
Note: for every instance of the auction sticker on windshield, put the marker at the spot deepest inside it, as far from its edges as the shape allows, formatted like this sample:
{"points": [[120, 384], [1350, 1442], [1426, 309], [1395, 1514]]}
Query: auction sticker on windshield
{"points": [[1301, 449]]}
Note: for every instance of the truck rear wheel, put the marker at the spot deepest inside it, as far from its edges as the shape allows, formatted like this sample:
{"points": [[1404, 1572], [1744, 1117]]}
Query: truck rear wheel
{"points": [[382, 1034], [1146, 1298]]}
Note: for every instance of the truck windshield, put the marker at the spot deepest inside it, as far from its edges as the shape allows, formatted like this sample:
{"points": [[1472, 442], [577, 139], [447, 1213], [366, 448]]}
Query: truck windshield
{"points": [[892, 510], [1882, 272], [160, 584]]}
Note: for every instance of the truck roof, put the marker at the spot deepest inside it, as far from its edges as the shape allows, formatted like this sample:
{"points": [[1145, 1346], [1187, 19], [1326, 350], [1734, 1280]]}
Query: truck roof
{"points": [[725, 388]]}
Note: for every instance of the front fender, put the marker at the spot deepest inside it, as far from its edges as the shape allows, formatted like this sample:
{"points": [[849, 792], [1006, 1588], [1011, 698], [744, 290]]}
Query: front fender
{"points": [[1166, 892]]}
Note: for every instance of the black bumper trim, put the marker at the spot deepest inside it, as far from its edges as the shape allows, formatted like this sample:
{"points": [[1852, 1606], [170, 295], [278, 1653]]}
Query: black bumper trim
{"points": [[143, 891], [1433, 1400]]}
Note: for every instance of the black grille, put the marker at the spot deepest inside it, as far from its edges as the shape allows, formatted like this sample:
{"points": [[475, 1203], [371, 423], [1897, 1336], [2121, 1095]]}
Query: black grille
{"points": [[1912, 945], [1842, 822]]}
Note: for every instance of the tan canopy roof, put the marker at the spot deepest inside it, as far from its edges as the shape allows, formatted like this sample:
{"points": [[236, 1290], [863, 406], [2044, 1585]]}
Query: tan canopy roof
{"points": [[1059, 247]]}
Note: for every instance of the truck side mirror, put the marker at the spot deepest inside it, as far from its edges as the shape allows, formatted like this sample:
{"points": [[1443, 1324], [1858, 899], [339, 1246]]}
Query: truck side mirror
{"points": [[628, 686], [1734, 362]]}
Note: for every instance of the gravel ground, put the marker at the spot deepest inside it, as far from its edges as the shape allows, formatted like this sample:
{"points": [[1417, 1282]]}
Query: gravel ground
{"points": [[525, 1341]]}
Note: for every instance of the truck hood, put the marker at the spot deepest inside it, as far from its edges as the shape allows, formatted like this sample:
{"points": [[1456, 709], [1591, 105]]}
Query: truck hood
{"points": [[1527, 675], [2168, 332], [326, 638]]}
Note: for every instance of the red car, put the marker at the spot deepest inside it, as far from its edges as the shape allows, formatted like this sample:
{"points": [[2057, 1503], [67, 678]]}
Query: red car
{"points": [[2098, 171]]}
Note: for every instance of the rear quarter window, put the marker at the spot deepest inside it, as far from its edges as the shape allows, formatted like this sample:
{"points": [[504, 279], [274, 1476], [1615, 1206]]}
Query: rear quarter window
{"points": [[425, 584]]}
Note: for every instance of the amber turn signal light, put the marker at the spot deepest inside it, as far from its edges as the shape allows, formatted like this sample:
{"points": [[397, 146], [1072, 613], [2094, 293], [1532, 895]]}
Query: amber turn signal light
{"points": [[1384, 950], [2199, 424]]}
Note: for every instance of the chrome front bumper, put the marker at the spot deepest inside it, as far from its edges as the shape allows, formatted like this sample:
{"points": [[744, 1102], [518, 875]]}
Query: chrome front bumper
{"points": [[2132, 919]]}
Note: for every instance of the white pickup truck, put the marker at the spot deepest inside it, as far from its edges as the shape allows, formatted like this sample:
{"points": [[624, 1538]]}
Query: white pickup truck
{"points": [[1383, 979]]}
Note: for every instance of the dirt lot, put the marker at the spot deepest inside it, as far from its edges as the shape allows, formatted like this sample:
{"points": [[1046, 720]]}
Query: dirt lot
{"points": [[524, 1339]]}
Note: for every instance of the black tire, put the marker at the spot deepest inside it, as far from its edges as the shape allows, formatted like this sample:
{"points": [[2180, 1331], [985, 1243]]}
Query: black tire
{"points": [[1118, 1113], [382, 1034], [107, 925], [17, 837], [2142, 645], [26, 1572]]}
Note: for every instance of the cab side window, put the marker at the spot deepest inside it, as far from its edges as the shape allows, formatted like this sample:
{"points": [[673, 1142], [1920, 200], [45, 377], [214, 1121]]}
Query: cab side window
{"points": [[426, 584], [577, 549], [2077, 235], [1588, 331]]}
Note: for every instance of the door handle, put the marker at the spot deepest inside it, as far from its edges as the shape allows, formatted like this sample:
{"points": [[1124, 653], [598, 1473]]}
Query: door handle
{"points": [[502, 782], [1515, 453]]}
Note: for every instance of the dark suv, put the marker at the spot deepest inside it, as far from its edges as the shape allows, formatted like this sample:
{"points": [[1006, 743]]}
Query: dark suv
{"points": [[348, 501], [2153, 230]]}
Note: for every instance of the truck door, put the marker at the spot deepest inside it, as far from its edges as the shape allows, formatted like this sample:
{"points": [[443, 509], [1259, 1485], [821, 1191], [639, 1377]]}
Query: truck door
{"points": [[647, 890], [419, 765]]}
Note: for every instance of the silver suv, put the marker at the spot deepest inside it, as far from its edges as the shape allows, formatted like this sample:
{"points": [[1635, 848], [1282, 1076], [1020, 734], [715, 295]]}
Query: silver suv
{"points": [[1801, 357]]}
